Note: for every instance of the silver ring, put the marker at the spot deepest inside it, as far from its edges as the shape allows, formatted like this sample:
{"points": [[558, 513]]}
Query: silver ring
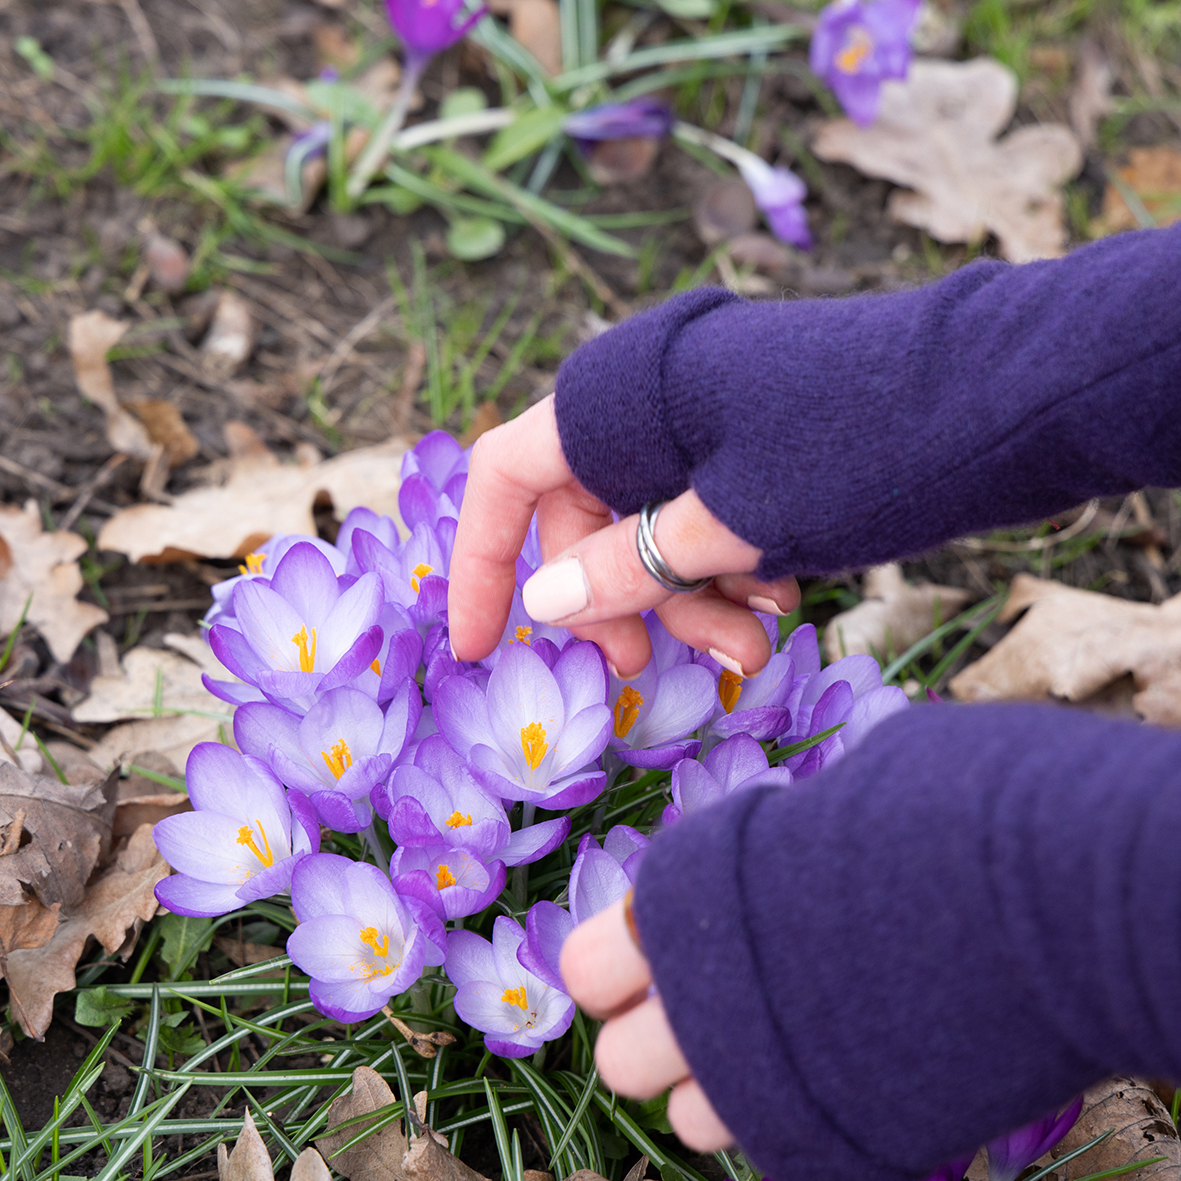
{"points": [[650, 556]]}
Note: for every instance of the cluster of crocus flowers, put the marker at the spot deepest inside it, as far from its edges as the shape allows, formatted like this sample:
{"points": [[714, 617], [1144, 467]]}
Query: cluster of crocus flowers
{"points": [[859, 44], [353, 716]]}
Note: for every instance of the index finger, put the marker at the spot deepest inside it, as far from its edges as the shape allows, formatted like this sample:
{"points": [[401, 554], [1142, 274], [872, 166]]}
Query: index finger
{"points": [[511, 468], [603, 968]]}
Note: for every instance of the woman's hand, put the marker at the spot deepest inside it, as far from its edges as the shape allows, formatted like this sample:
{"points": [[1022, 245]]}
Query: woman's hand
{"points": [[592, 581], [636, 1053]]}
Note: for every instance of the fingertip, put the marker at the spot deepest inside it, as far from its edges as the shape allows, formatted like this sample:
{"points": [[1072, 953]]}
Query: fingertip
{"points": [[601, 965], [694, 1119]]}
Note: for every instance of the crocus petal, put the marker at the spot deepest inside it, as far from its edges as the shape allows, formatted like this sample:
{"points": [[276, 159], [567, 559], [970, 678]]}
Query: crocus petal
{"points": [[532, 843], [327, 947], [574, 792], [258, 727], [305, 579], [660, 757], [596, 881], [546, 928], [869, 710], [461, 713], [317, 885], [764, 723], [185, 895], [349, 1002], [469, 958]]}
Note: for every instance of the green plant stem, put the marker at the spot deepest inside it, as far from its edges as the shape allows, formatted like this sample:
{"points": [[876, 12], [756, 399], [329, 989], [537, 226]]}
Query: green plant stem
{"points": [[378, 147]]}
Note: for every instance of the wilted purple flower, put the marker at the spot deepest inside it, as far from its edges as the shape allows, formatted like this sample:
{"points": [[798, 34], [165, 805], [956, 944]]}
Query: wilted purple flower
{"points": [[428, 27], [301, 635], [453, 881], [602, 876], [779, 193], [261, 564], [516, 1010], [533, 733], [437, 802], [653, 712], [857, 45], [336, 753], [358, 938], [242, 841], [1009, 1156], [737, 763], [646, 118]]}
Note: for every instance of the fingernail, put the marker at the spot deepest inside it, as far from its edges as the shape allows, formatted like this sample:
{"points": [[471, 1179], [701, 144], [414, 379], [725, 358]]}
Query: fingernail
{"points": [[727, 662], [556, 590], [767, 606], [452, 647]]}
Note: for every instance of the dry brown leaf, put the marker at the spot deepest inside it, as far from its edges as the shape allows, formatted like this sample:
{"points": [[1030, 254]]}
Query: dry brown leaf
{"points": [[69, 827], [892, 615], [29, 925], [1071, 644], [428, 1157], [26, 756], [192, 714], [1142, 1126], [310, 1166], [92, 335], [261, 497], [249, 1160], [1154, 175], [265, 175], [486, 418], [141, 800], [230, 340], [936, 134], [44, 565], [378, 1157], [536, 25], [120, 900], [1090, 97], [166, 426], [334, 47], [613, 161]]}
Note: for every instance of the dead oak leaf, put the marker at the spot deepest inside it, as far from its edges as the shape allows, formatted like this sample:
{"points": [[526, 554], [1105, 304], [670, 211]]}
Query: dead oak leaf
{"points": [[1152, 175], [91, 336], [16, 746], [64, 830], [537, 26], [936, 134], [892, 615], [376, 1158], [249, 1160], [44, 565], [1072, 643], [427, 1156], [260, 498], [1141, 1129], [119, 901]]}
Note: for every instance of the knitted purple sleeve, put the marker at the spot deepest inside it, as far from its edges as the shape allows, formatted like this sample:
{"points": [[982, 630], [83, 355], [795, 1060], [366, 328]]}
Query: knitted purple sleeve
{"points": [[873, 971], [838, 433]]}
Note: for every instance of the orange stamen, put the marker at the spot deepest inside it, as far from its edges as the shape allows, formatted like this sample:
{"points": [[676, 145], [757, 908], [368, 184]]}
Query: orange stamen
{"points": [[627, 709]]}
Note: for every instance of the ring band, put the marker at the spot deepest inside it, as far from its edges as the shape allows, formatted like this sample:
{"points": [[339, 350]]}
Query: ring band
{"points": [[650, 556], [629, 917]]}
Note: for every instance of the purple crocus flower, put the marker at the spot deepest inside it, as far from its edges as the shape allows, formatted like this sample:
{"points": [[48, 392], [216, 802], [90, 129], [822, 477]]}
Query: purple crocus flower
{"points": [[763, 705], [434, 474], [779, 193], [415, 575], [302, 634], [644, 118], [1009, 1156], [654, 712], [522, 628], [428, 27], [857, 45], [452, 880], [359, 940], [516, 1010], [385, 529], [261, 563], [546, 926], [437, 802], [533, 734], [337, 752], [241, 842], [733, 765]]}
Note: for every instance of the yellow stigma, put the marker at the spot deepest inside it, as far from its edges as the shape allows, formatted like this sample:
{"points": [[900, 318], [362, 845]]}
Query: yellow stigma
{"points": [[379, 943], [339, 758], [729, 690], [246, 837], [858, 47], [457, 818], [307, 652], [419, 571], [534, 745], [253, 564], [523, 634], [376, 666], [627, 709], [444, 877], [516, 996]]}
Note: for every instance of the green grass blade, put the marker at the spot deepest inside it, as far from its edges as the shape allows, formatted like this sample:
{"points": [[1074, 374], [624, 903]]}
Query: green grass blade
{"points": [[17, 1142], [920, 647], [579, 1111], [247, 92], [4, 656], [1054, 1166], [500, 1131], [125, 1153]]}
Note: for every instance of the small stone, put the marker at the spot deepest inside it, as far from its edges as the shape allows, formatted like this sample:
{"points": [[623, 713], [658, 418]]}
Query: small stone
{"points": [[725, 210]]}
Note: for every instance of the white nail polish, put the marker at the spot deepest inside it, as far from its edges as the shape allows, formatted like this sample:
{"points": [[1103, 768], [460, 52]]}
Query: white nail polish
{"points": [[557, 590], [767, 606], [727, 662]]}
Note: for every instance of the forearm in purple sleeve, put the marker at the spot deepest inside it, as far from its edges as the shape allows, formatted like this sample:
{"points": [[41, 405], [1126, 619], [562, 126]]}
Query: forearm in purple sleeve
{"points": [[876, 970], [837, 433]]}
